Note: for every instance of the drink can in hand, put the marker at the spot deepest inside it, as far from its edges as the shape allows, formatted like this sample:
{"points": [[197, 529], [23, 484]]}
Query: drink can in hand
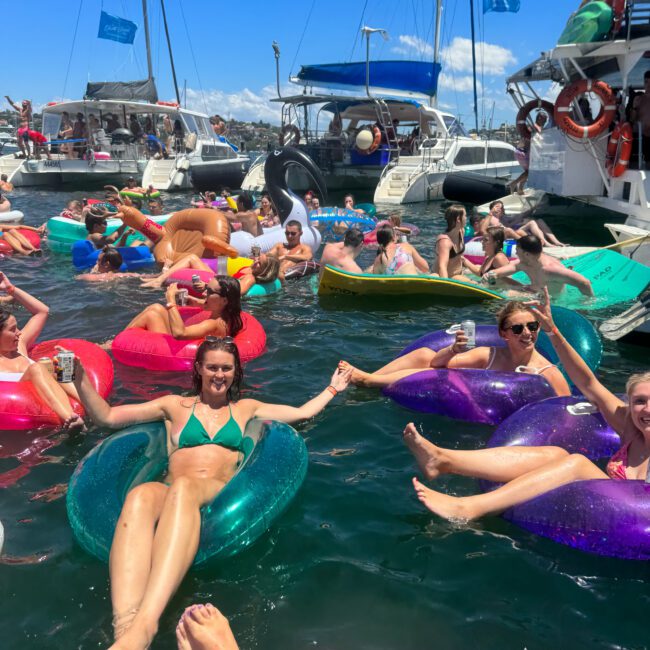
{"points": [[469, 327], [64, 366], [256, 250], [196, 278], [181, 297]]}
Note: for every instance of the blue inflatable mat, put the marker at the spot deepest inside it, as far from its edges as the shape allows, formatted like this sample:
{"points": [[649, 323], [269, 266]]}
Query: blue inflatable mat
{"points": [[85, 255]]}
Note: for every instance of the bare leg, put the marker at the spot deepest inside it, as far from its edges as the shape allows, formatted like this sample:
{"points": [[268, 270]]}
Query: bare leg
{"points": [[204, 627], [531, 228], [548, 232], [16, 244], [175, 544], [499, 464], [153, 318], [419, 359], [53, 395], [527, 486], [130, 559], [26, 244], [187, 262]]}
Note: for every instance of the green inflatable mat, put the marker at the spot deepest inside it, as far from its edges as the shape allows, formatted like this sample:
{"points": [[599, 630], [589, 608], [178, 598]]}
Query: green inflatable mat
{"points": [[589, 25], [614, 278]]}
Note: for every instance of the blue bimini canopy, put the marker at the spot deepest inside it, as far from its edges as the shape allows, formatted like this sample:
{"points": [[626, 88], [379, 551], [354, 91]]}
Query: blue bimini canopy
{"points": [[403, 77]]}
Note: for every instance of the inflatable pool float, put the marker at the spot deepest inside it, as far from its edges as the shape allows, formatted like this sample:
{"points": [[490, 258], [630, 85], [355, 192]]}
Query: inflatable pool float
{"points": [[13, 216], [343, 283], [592, 23], [30, 235], [153, 351], [335, 221], [85, 255], [614, 278], [183, 278], [475, 254], [301, 270], [63, 233], [143, 196], [273, 470], [368, 208], [601, 516], [370, 239], [21, 407]]}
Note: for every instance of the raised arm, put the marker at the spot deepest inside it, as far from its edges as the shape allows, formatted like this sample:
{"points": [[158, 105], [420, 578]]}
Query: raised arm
{"points": [[35, 307], [12, 104], [576, 280], [210, 326], [289, 414]]}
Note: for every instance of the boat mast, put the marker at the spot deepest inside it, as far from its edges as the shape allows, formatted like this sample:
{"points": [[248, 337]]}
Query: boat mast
{"points": [[145, 17], [171, 57], [433, 101], [471, 11]]}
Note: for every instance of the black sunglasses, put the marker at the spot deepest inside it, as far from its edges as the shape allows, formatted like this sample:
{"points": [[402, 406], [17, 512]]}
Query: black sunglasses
{"points": [[214, 339], [517, 329], [291, 232], [212, 292]]}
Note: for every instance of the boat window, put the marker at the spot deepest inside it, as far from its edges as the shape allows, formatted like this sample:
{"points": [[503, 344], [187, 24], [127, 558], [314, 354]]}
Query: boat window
{"points": [[51, 122], [470, 156], [215, 152], [190, 123], [454, 126], [204, 126], [500, 154]]}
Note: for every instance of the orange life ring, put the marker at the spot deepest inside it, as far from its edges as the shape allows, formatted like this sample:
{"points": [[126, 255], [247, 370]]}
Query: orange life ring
{"points": [[52, 103], [618, 155], [376, 141], [522, 116], [618, 11], [290, 135], [172, 104], [563, 108]]}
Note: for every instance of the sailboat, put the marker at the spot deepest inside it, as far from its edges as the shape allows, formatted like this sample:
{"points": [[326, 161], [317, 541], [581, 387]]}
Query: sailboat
{"points": [[114, 114]]}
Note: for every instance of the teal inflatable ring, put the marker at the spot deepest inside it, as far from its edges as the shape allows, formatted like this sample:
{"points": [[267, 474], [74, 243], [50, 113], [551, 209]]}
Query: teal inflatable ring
{"points": [[274, 468], [260, 290]]}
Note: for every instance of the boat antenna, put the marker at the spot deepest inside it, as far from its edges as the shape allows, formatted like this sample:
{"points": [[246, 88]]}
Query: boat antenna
{"points": [[436, 48], [171, 56], [276, 52], [145, 17], [366, 31], [471, 11]]}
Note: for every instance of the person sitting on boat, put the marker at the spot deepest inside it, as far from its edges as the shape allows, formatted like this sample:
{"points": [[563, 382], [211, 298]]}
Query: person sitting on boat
{"points": [[18, 242], [94, 124], [74, 210], [343, 254], [450, 245], [15, 364], [80, 132], [640, 114], [543, 270], [65, 133], [134, 126], [395, 258], [179, 136], [518, 326], [335, 127], [107, 267], [157, 534], [527, 472], [25, 117], [112, 123], [492, 242], [218, 125], [154, 146], [149, 128], [529, 226], [5, 185], [293, 251], [96, 226], [523, 154]]}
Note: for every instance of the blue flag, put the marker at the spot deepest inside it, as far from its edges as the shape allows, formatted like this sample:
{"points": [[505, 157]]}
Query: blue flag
{"points": [[500, 5], [117, 29]]}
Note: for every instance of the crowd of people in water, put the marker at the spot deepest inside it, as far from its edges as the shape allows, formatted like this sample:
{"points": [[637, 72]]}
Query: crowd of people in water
{"points": [[157, 534]]}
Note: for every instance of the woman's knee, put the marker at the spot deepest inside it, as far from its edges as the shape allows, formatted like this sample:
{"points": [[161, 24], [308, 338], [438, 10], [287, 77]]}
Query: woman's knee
{"points": [[182, 488], [577, 464], [142, 499]]}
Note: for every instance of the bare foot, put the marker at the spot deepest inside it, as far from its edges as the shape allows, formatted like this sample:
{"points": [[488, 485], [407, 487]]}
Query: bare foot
{"points": [[151, 284], [443, 505], [205, 628], [358, 376], [73, 424], [428, 457], [135, 638], [106, 345]]}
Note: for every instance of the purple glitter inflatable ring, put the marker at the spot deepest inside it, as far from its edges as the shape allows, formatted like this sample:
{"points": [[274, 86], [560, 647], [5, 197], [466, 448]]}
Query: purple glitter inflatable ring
{"points": [[601, 516]]}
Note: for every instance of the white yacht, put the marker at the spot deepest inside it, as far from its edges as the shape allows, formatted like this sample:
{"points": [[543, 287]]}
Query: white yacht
{"points": [[8, 142]]}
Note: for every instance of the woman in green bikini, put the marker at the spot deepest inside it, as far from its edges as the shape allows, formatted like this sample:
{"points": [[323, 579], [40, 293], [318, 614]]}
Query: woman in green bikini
{"points": [[157, 534]]}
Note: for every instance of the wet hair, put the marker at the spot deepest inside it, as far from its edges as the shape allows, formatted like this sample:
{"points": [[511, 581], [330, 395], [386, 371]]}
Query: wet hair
{"points": [[385, 236], [231, 291], [495, 202], [5, 315], [353, 237], [348, 196], [245, 200], [395, 219], [530, 244], [225, 345], [499, 235], [452, 214], [510, 308], [295, 224], [112, 256], [269, 271], [635, 380], [93, 220], [4, 177]]}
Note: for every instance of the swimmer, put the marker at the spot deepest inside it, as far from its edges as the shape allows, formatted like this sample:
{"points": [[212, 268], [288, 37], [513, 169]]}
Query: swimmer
{"points": [[132, 186], [157, 534], [396, 258], [96, 226], [5, 185], [292, 252], [107, 267], [492, 242], [5, 203], [343, 254], [450, 246], [518, 327], [527, 472], [73, 210]]}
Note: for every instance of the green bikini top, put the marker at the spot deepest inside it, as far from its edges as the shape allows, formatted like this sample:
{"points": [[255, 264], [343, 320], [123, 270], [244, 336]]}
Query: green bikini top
{"points": [[194, 434]]}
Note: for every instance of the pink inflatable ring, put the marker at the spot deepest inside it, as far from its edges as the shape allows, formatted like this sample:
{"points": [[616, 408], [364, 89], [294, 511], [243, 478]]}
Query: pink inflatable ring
{"points": [[138, 347], [21, 407]]}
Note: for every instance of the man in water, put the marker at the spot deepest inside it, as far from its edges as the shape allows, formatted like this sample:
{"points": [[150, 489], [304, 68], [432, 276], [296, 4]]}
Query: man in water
{"points": [[96, 226], [294, 251], [5, 203], [343, 254], [107, 267], [543, 270], [245, 215], [155, 207], [5, 185]]}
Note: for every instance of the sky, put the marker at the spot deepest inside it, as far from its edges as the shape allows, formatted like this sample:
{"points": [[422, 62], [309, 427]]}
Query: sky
{"points": [[223, 52]]}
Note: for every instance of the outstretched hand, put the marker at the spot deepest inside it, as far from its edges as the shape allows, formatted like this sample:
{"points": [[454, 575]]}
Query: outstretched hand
{"points": [[542, 309], [341, 379], [5, 284]]}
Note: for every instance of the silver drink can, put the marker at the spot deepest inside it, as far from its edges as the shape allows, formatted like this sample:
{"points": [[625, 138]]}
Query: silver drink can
{"points": [[64, 366], [469, 327], [181, 297], [196, 278]]}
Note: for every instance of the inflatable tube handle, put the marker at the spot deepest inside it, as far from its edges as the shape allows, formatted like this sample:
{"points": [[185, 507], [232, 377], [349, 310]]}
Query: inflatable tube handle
{"points": [[581, 408]]}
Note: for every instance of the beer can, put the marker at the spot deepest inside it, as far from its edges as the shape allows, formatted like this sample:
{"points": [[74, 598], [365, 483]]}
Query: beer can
{"points": [[196, 278], [64, 366], [469, 327], [181, 297]]}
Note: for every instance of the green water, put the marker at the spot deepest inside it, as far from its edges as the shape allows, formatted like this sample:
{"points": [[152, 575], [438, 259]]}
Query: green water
{"points": [[355, 562]]}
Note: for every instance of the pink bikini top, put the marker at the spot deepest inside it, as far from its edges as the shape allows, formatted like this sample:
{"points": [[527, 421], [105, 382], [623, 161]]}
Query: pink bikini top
{"points": [[618, 464]]}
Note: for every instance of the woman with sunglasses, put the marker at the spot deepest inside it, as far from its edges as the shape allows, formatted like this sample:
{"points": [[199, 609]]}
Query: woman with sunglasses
{"points": [[527, 472], [223, 301], [157, 534], [518, 327]]}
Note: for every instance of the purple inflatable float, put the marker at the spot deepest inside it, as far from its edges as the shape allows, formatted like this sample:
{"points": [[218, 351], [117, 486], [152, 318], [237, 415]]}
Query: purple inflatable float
{"points": [[605, 517]]}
